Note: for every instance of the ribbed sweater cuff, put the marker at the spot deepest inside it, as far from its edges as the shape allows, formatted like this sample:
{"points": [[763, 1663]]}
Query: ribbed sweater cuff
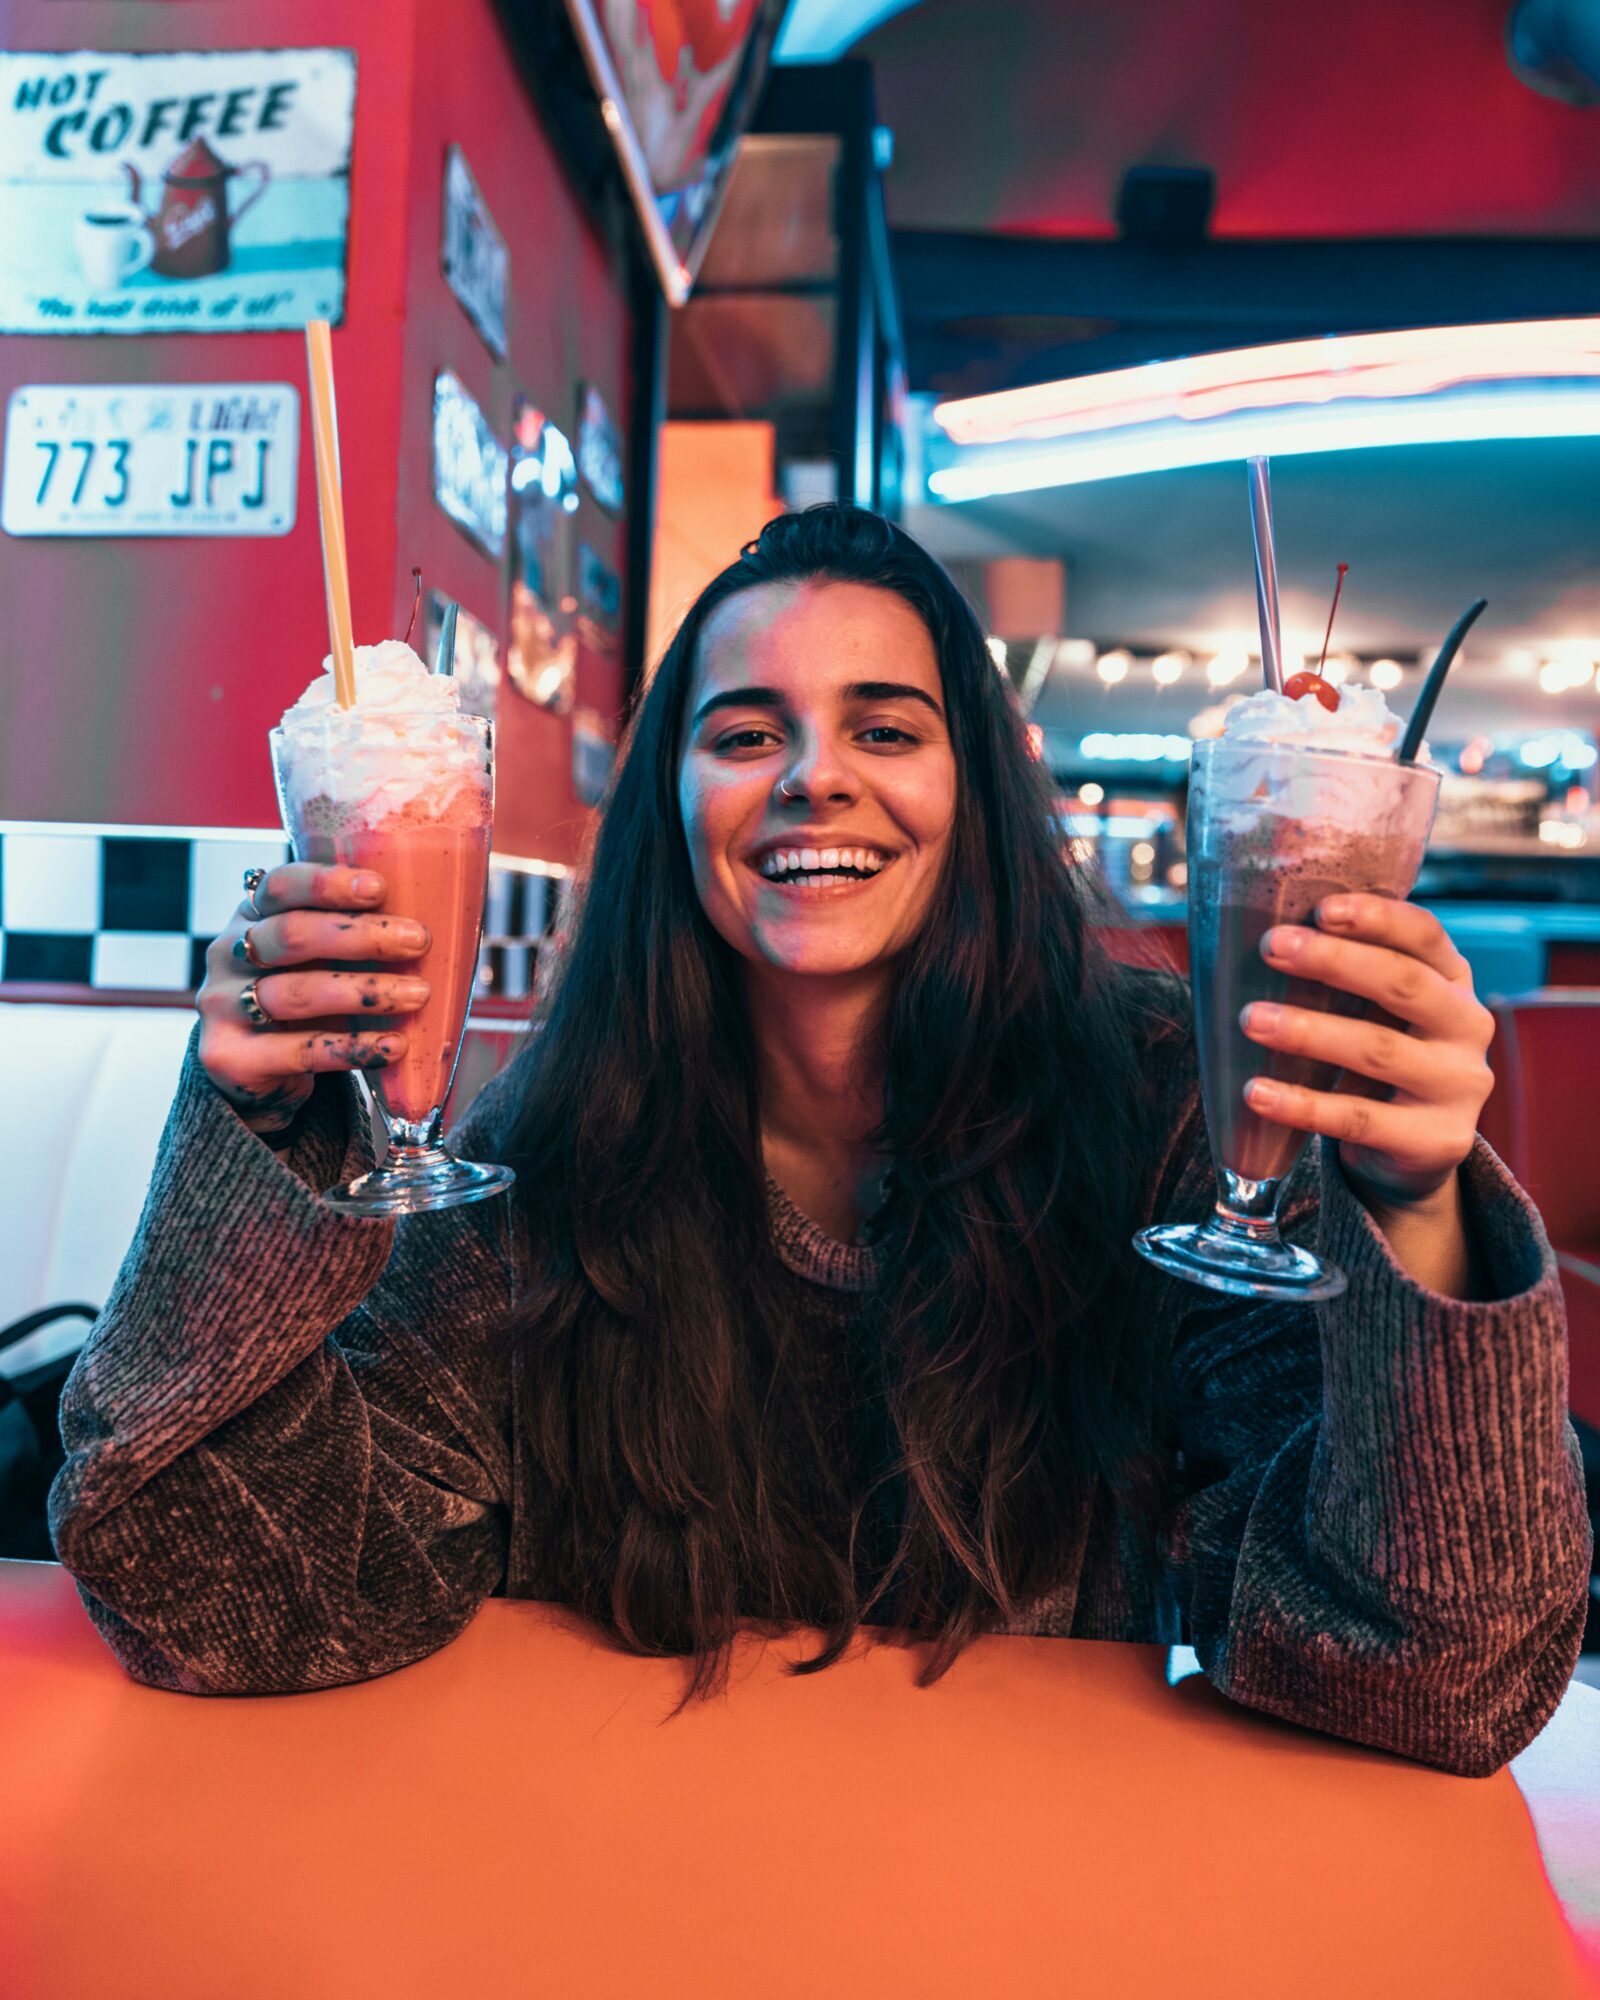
{"points": [[1443, 1467], [236, 1273]]}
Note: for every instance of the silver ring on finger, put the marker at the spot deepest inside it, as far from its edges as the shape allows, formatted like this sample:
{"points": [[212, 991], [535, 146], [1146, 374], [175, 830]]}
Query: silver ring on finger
{"points": [[255, 1013], [253, 879]]}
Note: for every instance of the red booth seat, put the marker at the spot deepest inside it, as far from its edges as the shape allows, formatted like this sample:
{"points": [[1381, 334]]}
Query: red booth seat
{"points": [[1544, 1121]]}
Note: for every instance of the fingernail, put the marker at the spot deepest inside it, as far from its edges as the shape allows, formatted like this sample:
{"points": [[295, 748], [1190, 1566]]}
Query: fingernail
{"points": [[367, 885], [1262, 1094], [411, 992], [411, 934], [1261, 1017], [1284, 943], [1338, 910], [391, 1046]]}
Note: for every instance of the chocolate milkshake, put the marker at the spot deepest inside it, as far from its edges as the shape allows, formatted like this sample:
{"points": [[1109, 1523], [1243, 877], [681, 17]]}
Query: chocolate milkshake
{"points": [[1295, 801]]}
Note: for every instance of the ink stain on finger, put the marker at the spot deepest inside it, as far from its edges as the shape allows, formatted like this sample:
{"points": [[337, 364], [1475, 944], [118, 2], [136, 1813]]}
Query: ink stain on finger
{"points": [[369, 999]]}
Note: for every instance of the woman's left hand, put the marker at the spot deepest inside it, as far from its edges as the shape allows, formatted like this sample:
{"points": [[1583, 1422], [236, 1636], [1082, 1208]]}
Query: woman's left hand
{"points": [[1404, 1149]]}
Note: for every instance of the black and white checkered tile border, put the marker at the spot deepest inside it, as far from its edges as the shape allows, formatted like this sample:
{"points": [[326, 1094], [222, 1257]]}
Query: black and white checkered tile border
{"points": [[135, 908]]}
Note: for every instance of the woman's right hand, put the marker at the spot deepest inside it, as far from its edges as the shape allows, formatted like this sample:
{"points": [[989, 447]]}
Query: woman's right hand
{"points": [[307, 914]]}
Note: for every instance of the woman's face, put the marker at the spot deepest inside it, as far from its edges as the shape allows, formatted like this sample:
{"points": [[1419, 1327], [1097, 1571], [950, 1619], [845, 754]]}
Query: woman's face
{"points": [[831, 691]]}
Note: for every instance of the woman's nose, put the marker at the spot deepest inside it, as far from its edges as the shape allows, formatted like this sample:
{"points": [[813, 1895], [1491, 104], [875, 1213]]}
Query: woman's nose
{"points": [[815, 773]]}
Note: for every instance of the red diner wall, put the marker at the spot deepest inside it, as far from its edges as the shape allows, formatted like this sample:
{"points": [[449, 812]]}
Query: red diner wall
{"points": [[567, 324], [141, 676]]}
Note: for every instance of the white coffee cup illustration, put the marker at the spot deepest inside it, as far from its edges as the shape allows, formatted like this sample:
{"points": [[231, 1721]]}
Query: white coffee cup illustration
{"points": [[113, 241]]}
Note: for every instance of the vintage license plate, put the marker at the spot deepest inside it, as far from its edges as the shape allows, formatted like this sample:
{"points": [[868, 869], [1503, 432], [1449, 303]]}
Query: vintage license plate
{"points": [[193, 458]]}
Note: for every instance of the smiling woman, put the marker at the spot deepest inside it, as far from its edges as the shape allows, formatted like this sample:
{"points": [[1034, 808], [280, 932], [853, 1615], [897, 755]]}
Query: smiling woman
{"points": [[815, 1302]]}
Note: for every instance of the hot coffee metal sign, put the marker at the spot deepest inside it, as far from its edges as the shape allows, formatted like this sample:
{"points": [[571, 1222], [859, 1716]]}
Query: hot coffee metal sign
{"points": [[195, 192], [200, 458]]}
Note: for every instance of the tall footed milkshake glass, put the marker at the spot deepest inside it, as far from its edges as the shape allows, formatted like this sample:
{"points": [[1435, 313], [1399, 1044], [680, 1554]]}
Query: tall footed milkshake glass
{"points": [[1274, 828], [408, 792]]}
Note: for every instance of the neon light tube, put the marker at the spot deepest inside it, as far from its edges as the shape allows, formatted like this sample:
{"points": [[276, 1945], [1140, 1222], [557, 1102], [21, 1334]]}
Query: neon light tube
{"points": [[1332, 367], [1463, 417]]}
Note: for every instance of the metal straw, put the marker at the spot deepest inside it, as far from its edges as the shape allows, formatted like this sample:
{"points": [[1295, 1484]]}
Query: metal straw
{"points": [[1266, 574], [1433, 686], [444, 660]]}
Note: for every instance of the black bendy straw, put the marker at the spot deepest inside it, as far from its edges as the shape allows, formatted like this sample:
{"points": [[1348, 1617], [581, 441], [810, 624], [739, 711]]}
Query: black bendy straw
{"points": [[1433, 686]]}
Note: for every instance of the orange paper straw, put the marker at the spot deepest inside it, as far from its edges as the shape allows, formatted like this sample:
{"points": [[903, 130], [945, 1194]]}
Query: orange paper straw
{"points": [[330, 508]]}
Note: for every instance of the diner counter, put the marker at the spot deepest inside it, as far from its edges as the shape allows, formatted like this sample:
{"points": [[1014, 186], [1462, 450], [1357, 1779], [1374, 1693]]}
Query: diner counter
{"points": [[514, 1815]]}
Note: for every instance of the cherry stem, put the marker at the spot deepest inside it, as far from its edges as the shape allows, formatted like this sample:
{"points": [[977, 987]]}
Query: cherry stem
{"points": [[416, 599], [1344, 571]]}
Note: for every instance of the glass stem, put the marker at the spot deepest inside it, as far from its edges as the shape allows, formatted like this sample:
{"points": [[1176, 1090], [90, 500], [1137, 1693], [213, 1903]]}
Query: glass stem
{"points": [[418, 1133], [1247, 1210]]}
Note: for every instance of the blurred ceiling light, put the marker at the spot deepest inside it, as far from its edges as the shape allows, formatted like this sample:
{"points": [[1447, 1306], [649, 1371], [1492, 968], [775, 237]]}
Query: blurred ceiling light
{"points": [[1113, 667], [1074, 653], [1227, 666], [1564, 676], [1522, 662], [997, 651], [1091, 794], [1166, 669], [1386, 674], [1337, 668], [1135, 747]]}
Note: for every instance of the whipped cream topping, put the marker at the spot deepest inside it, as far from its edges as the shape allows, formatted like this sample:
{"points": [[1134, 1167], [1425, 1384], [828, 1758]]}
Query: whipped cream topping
{"points": [[1363, 725], [1251, 770], [405, 743]]}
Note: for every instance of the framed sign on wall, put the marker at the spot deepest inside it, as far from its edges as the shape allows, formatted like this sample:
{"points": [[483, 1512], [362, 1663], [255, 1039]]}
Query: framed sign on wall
{"points": [[190, 192], [476, 262], [470, 465]]}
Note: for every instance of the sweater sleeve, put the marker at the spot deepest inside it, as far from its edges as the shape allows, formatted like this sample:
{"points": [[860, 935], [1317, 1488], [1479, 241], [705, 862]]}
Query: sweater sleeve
{"points": [[284, 1467], [1383, 1533]]}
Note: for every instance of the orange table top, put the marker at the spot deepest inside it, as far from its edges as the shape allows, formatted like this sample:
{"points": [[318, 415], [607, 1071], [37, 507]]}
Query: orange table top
{"points": [[508, 1817]]}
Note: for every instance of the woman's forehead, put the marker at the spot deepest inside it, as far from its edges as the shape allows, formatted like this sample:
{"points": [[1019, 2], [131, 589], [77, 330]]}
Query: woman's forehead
{"points": [[800, 633]]}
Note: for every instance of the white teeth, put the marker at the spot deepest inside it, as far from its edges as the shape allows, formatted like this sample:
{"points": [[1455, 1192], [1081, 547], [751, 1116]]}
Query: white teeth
{"points": [[794, 860]]}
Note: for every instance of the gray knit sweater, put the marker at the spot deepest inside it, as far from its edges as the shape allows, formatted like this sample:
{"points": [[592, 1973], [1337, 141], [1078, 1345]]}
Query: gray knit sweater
{"points": [[291, 1458]]}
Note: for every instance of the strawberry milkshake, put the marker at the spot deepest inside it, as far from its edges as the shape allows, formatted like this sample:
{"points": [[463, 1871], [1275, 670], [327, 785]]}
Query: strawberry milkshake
{"points": [[401, 783]]}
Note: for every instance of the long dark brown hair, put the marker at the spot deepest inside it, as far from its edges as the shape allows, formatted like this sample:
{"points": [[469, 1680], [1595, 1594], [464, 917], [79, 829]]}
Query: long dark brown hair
{"points": [[1011, 1371]]}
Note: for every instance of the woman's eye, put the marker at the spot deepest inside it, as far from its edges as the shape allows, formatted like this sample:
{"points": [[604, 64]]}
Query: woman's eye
{"points": [[741, 736], [888, 729]]}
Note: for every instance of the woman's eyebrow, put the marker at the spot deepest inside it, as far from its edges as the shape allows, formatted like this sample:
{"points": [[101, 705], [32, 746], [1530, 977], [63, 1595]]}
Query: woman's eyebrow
{"points": [[766, 697]]}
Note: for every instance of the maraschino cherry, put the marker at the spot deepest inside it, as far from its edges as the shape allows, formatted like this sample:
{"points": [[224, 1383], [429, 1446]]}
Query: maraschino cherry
{"points": [[1312, 682], [1309, 683]]}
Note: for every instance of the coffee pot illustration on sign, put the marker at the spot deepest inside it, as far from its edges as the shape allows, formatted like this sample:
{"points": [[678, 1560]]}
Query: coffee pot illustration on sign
{"points": [[191, 225]]}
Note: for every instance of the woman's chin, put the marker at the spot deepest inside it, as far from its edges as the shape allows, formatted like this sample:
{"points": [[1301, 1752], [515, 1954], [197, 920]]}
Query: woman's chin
{"points": [[818, 958]]}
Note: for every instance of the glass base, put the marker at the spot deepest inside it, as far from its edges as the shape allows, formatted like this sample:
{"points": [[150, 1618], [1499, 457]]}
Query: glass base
{"points": [[1249, 1266], [414, 1179]]}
